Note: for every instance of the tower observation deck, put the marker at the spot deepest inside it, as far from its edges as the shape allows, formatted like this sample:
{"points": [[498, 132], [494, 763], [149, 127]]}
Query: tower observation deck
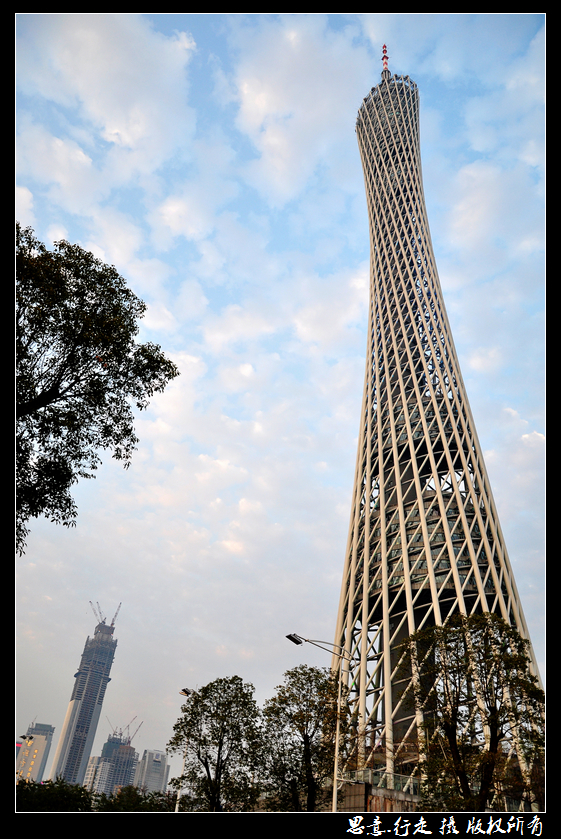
{"points": [[424, 539]]}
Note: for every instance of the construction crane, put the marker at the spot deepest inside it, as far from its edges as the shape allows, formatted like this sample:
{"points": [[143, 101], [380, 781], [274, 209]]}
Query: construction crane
{"points": [[100, 617], [98, 614], [124, 733], [135, 733]]}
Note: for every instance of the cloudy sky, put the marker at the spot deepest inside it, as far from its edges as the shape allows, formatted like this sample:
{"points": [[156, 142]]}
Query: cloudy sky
{"points": [[212, 159]]}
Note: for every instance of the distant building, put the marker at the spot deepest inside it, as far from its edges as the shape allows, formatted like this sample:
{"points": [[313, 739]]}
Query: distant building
{"points": [[97, 774], [80, 725], [115, 768], [34, 751], [124, 760], [152, 771]]}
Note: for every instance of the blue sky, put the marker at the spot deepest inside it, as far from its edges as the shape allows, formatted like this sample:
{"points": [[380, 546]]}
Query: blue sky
{"points": [[212, 159]]}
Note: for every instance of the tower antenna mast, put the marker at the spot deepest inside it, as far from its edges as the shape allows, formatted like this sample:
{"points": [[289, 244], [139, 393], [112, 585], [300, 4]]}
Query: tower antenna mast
{"points": [[385, 58]]}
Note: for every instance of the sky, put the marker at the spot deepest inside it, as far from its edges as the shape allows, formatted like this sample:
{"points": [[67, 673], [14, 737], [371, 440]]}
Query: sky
{"points": [[212, 159]]}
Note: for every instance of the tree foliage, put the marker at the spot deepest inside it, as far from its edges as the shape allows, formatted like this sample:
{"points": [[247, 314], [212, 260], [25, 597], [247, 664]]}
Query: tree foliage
{"points": [[79, 372], [134, 800], [53, 797], [61, 797], [482, 738], [300, 724], [219, 737]]}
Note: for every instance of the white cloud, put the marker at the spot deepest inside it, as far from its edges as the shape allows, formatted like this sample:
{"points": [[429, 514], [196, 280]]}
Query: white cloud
{"points": [[61, 165], [24, 206], [121, 94], [125, 77], [183, 216], [497, 218], [237, 324], [486, 359], [191, 302], [295, 87], [336, 304], [55, 233], [118, 236], [517, 468]]}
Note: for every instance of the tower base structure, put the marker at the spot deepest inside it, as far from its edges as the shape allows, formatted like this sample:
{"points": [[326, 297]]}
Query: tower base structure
{"points": [[366, 798]]}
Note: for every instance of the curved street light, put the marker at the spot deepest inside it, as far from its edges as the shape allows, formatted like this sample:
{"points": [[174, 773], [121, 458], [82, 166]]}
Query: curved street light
{"points": [[330, 648]]}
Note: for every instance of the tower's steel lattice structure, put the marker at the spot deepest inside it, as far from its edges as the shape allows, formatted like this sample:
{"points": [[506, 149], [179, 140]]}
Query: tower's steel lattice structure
{"points": [[424, 538]]}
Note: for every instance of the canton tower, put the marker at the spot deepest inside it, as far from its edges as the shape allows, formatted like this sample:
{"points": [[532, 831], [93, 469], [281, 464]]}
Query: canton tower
{"points": [[80, 724], [424, 539]]}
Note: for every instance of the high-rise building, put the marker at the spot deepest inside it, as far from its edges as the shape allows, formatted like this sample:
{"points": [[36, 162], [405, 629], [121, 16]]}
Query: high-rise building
{"points": [[33, 752], [424, 538], [80, 724], [124, 759], [98, 774], [152, 771], [115, 768]]}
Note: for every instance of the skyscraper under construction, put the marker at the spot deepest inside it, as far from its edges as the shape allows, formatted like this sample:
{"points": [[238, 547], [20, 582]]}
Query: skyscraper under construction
{"points": [[80, 724], [424, 539], [116, 766]]}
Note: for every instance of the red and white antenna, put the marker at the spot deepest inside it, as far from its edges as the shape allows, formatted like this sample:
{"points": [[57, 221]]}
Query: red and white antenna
{"points": [[385, 57]]}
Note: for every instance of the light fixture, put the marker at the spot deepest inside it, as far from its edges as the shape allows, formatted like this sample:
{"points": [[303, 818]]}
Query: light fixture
{"points": [[295, 638]]}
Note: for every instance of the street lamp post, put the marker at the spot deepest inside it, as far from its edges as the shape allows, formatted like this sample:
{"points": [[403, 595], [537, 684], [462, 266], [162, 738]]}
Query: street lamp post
{"points": [[184, 692], [297, 639]]}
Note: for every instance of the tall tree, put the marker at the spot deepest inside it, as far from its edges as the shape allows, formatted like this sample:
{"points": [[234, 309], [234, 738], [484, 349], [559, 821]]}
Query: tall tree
{"points": [[300, 731], [219, 736], [482, 738], [79, 371]]}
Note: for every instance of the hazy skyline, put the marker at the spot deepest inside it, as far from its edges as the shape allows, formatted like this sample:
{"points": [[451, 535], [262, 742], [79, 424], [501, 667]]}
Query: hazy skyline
{"points": [[212, 159]]}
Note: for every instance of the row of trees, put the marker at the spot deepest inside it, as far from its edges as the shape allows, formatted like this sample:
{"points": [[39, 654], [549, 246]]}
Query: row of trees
{"points": [[481, 743], [61, 797], [237, 757]]}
